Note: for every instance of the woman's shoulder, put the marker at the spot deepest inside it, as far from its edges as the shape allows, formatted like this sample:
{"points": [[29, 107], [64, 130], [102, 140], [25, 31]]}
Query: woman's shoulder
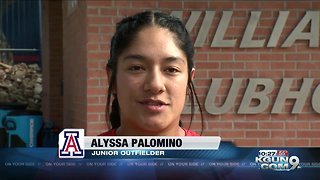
{"points": [[189, 132], [111, 132]]}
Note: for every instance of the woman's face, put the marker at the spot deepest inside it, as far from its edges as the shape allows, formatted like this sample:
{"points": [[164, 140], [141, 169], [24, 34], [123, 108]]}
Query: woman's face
{"points": [[151, 83]]}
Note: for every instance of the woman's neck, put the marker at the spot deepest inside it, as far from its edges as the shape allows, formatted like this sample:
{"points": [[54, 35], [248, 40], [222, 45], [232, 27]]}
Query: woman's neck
{"points": [[122, 131]]}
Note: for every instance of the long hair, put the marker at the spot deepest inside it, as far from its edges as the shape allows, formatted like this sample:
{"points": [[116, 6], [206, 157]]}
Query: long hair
{"points": [[126, 31]]}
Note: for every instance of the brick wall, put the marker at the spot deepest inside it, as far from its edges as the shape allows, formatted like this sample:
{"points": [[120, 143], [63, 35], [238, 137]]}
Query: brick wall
{"points": [[52, 68], [263, 129], [74, 65]]}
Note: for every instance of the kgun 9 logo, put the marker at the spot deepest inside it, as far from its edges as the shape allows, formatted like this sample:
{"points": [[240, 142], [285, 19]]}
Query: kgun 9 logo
{"points": [[278, 160]]}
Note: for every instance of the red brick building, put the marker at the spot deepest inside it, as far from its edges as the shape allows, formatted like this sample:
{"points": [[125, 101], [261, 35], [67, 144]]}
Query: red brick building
{"points": [[265, 44]]}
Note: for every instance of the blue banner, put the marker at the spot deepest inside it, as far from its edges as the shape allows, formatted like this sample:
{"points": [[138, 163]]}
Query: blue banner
{"points": [[229, 162]]}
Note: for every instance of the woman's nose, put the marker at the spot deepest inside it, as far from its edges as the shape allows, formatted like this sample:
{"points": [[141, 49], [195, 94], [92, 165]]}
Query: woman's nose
{"points": [[154, 82]]}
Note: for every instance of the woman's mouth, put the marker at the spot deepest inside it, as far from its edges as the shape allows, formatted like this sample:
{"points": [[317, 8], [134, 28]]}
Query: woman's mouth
{"points": [[154, 105]]}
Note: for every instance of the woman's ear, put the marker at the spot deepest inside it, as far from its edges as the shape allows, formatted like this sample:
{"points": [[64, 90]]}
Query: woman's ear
{"points": [[192, 74], [109, 74]]}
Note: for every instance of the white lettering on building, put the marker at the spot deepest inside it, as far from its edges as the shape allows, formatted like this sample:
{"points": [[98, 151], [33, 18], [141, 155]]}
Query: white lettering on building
{"points": [[311, 18], [256, 98]]}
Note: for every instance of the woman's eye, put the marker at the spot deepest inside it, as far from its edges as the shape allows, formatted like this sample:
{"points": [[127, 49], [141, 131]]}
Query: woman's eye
{"points": [[135, 68], [172, 70]]}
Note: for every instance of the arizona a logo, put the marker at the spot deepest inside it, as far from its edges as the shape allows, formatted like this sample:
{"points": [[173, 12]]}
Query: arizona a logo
{"points": [[71, 143]]}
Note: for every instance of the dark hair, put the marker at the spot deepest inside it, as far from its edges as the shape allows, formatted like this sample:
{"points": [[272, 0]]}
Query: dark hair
{"points": [[126, 31]]}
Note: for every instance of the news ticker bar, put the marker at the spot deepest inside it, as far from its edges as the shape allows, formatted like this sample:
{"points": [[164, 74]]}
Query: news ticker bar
{"points": [[303, 161], [151, 142]]}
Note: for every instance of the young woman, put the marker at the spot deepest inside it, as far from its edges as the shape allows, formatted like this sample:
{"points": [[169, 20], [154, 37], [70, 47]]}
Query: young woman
{"points": [[150, 74]]}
